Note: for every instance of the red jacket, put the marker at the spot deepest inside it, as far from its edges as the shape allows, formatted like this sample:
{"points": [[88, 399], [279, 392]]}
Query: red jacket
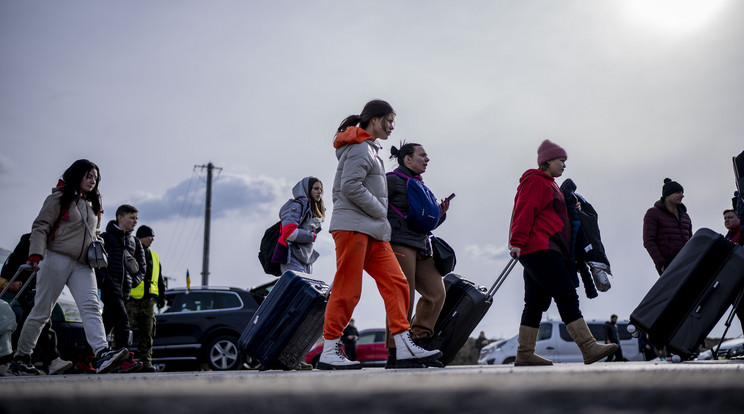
{"points": [[540, 220], [663, 235]]}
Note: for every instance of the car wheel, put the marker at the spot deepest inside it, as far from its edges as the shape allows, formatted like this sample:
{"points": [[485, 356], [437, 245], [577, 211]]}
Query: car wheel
{"points": [[509, 360], [223, 354]]}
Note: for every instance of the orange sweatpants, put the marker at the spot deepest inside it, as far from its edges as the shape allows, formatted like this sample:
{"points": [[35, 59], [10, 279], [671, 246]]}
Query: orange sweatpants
{"points": [[357, 252]]}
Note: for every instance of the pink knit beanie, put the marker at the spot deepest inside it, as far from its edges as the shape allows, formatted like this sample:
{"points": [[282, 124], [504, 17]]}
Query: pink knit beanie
{"points": [[549, 151]]}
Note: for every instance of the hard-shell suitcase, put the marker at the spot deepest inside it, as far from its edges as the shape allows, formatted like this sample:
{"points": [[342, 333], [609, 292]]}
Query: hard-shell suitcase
{"points": [[287, 323], [692, 294], [464, 306]]}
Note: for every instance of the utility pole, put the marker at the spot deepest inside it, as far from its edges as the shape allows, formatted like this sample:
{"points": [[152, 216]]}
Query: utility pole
{"points": [[207, 220]]}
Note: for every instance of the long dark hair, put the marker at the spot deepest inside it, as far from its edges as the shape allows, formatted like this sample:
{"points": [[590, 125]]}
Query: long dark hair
{"points": [[317, 207], [406, 149], [373, 109], [72, 177]]}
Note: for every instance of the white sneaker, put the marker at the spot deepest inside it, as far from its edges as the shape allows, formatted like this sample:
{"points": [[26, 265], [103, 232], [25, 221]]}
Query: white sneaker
{"points": [[408, 353], [332, 358], [59, 366]]}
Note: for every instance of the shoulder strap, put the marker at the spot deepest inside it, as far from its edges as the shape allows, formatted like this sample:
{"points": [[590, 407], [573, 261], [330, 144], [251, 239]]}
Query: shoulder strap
{"points": [[405, 177], [400, 175]]}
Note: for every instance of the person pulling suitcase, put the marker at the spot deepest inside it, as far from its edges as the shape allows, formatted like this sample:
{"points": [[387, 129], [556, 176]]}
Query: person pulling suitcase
{"points": [[540, 238]]}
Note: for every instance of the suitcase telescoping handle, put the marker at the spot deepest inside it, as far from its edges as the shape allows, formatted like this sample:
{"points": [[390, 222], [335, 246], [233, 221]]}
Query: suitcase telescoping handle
{"points": [[502, 277], [21, 268]]}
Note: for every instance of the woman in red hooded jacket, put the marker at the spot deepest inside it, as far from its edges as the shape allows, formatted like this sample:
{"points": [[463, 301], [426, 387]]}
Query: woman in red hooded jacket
{"points": [[540, 237]]}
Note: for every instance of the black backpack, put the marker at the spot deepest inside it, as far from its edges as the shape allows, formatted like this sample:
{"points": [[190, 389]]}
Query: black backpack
{"points": [[268, 244]]}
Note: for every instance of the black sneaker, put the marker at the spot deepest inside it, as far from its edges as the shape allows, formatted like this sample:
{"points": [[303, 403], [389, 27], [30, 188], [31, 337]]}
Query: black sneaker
{"points": [[22, 365], [107, 359]]}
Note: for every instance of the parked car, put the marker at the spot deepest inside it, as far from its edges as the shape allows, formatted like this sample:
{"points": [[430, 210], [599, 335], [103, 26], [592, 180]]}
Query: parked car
{"points": [[203, 325], [555, 343], [371, 350], [731, 348]]}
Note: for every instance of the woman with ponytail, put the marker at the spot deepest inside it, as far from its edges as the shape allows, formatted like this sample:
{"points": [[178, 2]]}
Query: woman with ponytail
{"points": [[413, 249], [361, 232]]}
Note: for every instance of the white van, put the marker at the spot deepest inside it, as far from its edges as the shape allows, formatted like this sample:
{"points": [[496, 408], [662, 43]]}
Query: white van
{"points": [[554, 343]]}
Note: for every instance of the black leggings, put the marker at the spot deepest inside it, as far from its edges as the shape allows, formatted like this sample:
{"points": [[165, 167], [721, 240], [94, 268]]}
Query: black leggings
{"points": [[115, 318], [546, 277]]}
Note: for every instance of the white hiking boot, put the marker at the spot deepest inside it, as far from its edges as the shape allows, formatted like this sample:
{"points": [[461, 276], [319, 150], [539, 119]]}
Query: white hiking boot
{"points": [[332, 358], [410, 355]]}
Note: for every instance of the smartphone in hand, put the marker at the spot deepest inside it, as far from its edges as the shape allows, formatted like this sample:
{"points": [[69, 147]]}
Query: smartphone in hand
{"points": [[450, 197]]}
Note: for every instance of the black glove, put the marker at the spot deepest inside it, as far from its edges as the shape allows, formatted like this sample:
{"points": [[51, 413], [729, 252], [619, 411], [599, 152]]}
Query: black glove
{"points": [[161, 301]]}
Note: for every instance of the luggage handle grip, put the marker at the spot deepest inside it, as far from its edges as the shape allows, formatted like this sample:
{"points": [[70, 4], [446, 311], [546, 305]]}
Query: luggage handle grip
{"points": [[21, 269], [706, 297], [502, 277]]}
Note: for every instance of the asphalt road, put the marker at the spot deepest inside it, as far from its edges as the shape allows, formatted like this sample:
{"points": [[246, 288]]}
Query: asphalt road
{"points": [[630, 387]]}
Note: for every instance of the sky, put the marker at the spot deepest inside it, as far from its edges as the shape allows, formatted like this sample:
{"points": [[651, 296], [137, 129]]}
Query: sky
{"points": [[634, 90]]}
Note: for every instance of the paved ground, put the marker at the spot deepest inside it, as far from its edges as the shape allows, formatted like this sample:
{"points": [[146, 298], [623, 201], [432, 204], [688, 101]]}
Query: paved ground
{"points": [[631, 387]]}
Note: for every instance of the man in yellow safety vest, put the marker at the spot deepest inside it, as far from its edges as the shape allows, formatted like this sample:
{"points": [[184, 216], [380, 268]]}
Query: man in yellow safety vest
{"points": [[144, 297]]}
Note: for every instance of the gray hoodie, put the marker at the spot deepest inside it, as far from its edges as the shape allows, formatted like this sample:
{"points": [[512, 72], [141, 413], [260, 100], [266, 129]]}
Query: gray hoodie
{"points": [[299, 224]]}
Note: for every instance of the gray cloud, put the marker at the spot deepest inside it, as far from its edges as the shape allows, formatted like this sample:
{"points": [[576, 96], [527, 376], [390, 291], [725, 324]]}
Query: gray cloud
{"points": [[231, 193]]}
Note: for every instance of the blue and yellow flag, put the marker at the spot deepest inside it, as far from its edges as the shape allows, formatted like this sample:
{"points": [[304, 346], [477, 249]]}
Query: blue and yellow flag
{"points": [[188, 280]]}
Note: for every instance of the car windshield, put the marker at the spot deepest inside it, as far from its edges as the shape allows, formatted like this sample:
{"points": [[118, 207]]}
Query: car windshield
{"points": [[71, 311]]}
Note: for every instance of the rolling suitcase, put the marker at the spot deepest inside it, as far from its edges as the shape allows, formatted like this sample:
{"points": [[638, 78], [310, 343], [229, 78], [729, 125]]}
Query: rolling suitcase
{"points": [[692, 295], [464, 306], [287, 323]]}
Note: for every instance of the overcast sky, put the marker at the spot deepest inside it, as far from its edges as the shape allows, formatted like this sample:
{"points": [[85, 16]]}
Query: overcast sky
{"points": [[635, 91]]}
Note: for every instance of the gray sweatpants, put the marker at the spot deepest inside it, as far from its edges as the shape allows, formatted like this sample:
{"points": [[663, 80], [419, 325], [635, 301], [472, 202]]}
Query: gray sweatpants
{"points": [[56, 271]]}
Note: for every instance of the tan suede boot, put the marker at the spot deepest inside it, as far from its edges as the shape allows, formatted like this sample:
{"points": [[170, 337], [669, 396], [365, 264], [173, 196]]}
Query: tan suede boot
{"points": [[590, 348], [526, 350]]}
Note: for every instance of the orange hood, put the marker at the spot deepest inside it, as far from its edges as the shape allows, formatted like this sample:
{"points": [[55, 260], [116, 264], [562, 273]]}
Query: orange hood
{"points": [[352, 135]]}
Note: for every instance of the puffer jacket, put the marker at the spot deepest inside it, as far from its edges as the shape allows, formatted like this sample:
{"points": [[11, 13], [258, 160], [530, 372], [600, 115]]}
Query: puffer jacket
{"points": [[115, 278], [540, 220], [299, 227], [402, 233], [359, 186], [70, 237], [664, 235]]}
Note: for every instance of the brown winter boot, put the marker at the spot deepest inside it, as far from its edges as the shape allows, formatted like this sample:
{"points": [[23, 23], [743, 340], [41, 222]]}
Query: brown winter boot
{"points": [[526, 350], [590, 348]]}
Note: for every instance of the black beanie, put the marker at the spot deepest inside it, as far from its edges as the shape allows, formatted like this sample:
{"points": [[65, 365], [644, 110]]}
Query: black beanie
{"points": [[670, 187], [144, 231]]}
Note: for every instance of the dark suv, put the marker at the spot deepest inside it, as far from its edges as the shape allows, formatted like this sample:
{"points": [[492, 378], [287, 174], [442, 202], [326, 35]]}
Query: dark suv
{"points": [[203, 325]]}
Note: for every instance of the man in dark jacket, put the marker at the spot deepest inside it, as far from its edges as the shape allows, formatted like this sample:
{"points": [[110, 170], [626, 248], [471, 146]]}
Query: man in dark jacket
{"points": [[349, 339], [666, 226], [612, 336], [126, 266]]}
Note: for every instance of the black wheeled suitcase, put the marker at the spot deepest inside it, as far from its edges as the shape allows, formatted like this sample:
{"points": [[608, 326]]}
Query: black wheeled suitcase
{"points": [[287, 323], [692, 294], [464, 307]]}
